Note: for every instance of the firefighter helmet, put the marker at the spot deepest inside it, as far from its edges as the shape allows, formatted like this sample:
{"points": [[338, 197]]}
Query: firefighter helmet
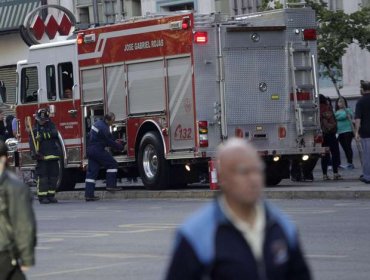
{"points": [[42, 114]]}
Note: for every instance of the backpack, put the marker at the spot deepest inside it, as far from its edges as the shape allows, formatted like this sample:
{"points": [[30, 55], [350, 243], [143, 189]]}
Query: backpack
{"points": [[327, 118]]}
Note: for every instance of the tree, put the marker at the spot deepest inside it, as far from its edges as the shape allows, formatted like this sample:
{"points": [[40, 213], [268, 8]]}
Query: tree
{"points": [[337, 30]]}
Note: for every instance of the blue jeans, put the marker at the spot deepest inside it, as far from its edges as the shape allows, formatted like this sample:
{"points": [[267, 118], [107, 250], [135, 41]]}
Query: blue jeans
{"points": [[366, 158]]}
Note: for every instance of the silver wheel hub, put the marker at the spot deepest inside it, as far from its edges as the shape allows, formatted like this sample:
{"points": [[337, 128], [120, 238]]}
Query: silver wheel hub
{"points": [[150, 162]]}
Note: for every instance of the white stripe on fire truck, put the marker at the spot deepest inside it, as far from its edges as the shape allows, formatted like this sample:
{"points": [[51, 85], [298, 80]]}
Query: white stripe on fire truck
{"points": [[75, 141], [99, 48]]}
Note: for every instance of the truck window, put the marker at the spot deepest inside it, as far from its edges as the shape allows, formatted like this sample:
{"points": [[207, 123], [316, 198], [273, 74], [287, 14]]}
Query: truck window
{"points": [[65, 73], [29, 84], [50, 82]]}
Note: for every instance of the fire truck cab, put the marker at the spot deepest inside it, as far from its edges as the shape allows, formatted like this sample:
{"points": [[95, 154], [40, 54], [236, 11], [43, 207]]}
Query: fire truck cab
{"points": [[179, 84]]}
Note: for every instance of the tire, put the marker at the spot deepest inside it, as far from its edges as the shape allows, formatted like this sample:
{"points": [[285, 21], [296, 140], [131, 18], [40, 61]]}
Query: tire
{"points": [[153, 167]]}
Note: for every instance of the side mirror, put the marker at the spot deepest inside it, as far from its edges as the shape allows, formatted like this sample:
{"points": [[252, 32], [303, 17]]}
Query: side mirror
{"points": [[2, 92]]}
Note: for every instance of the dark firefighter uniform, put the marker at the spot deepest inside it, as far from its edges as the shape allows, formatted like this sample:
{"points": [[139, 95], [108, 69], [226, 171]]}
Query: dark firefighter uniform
{"points": [[100, 138], [47, 154]]}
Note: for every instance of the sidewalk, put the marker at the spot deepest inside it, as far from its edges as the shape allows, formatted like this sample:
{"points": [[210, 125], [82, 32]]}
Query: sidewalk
{"points": [[348, 188]]}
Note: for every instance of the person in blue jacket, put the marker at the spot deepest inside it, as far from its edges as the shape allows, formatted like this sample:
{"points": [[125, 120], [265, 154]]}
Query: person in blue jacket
{"points": [[344, 117], [100, 138], [238, 236]]}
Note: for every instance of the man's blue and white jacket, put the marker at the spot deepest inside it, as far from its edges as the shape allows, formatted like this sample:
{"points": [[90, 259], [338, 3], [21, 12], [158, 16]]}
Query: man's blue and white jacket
{"points": [[208, 246]]}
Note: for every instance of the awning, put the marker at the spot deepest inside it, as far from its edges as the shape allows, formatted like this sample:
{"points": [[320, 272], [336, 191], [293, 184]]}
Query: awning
{"points": [[13, 12]]}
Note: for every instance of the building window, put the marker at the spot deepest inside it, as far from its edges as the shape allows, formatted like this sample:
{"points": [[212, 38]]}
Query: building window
{"points": [[84, 15], [65, 74], [51, 86], [171, 6], [29, 84]]}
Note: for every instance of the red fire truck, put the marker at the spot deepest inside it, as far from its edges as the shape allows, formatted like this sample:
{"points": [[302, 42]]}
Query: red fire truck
{"points": [[179, 84]]}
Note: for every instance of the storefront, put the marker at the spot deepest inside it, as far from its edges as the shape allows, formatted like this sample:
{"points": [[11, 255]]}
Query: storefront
{"points": [[12, 47]]}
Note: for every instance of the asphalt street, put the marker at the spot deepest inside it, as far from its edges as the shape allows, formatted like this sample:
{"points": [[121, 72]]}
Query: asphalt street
{"points": [[132, 239]]}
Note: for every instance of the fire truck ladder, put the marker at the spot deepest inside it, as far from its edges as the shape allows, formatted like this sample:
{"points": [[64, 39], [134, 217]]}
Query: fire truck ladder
{"points": [[304, 88]]}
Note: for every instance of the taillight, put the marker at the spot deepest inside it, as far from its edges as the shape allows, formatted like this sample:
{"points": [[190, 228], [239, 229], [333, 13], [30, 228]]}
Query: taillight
{"points": [[309, 34], [80, 38], [282, 132], [185, 23], [201, 37], [203, 133]]}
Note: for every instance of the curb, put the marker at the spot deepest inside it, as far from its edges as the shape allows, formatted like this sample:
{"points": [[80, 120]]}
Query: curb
{"points": [[208, 194]]}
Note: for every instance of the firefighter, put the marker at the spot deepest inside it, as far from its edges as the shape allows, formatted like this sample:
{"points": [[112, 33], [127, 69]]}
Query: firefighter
{"points": [[100, 138], [45, 150]]}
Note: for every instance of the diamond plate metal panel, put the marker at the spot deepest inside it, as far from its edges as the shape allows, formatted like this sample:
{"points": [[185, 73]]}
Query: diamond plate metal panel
{"points": [[245, 70], [300, 18], [206, 85], [253, 39]]}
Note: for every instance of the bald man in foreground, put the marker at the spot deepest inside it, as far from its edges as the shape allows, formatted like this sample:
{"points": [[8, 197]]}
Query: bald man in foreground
{"points": [[238, 236]]}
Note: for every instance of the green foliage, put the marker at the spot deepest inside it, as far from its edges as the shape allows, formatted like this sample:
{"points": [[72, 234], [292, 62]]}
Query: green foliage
{"points": [[337, 30]]}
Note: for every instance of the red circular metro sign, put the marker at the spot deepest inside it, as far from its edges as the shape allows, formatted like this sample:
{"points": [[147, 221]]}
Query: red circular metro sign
{"points": [[45, 22]]}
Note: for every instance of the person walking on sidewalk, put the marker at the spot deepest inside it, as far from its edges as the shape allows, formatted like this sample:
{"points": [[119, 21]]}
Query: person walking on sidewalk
{"points": [[344, 116], [17, 224], [238, 235], [100, 138], [329, 130], [362, 129], [45, 150]]}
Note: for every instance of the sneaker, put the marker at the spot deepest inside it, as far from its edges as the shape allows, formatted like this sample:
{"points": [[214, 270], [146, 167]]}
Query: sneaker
{"points": [[93, 198], [350, 166], [337, 177], [44, 200], [330, 167], [52, 200], [326, 178], [343, 166]]}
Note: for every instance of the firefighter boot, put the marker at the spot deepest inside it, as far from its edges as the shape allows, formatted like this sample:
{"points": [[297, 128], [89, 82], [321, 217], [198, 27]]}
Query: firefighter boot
{"points": [[44, 200], [52, 187]]}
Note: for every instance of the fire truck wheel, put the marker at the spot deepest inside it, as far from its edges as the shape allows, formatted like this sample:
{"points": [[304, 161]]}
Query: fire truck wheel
{"points": [[152, 165]]}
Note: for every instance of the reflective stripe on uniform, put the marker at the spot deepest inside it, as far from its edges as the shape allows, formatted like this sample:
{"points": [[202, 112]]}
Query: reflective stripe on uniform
{"points": [[42, 193], [112, 170], [95, 129], [90, 181], [50, 157], [51, 192]]}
